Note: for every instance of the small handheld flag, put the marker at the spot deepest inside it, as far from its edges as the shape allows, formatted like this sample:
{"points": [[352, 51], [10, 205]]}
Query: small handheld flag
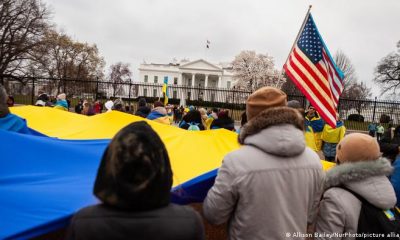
{"points": [[314, 72], [165, 90]]}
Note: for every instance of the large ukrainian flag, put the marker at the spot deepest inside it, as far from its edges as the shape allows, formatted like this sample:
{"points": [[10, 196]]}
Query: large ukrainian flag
{"points": [[45, 180]]}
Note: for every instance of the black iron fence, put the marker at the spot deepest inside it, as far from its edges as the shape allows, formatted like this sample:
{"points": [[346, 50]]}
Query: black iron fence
{"points": [[356, 113]]}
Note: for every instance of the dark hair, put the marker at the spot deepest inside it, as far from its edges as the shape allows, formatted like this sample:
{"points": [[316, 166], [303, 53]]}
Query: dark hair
{"points": [[142, 102], [193, 116], [135, 172]]}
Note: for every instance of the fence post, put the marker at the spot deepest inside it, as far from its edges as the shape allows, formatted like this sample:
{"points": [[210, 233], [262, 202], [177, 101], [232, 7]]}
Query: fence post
{"points": [[373, 114], [97, 87], [233, 106], [64, 91], [129, 95], [33, 91]]}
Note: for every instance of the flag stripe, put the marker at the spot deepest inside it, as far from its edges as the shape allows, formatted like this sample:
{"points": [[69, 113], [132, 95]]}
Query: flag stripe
{"points": [[311, 69], [333, 74], [309, 94], [321, 95]]}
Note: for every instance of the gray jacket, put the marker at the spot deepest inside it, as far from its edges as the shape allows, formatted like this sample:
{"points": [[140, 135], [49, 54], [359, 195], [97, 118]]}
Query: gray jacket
{"points": [[339, 210], [267, 188]]}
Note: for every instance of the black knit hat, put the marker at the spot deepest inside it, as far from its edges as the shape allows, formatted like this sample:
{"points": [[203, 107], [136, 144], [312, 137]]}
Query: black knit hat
{"points": [[135, 172]]}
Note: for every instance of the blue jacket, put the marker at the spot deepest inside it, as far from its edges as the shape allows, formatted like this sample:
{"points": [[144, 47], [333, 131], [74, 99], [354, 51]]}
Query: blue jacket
{"points": [[12, 122], [395, 179]]}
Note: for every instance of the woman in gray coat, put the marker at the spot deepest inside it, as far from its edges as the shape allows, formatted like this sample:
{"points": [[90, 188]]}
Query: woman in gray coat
{"points": [[362, 170]]}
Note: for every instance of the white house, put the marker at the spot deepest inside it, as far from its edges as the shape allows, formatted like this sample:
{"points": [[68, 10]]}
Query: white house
{"points": [[193, 80], [199, 73]]}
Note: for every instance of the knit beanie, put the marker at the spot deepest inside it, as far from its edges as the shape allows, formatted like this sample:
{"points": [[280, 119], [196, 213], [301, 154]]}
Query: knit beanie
{"points": [[264, 98], [62, 96], [294, 104], [357, 147]]}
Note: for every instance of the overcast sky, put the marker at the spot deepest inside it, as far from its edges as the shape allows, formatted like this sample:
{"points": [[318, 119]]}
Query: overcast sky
{"points": [[160, 30]]}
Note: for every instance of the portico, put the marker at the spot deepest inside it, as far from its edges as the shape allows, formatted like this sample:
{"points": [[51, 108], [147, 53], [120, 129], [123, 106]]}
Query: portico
{"points": [[199, 79]]}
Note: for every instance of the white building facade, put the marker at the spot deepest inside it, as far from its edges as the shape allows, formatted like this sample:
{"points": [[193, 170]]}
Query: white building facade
{"points": [[187, 79]]}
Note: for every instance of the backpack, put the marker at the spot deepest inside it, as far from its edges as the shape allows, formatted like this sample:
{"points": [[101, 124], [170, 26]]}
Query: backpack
{"points": [[193, 127], [376, 221]]}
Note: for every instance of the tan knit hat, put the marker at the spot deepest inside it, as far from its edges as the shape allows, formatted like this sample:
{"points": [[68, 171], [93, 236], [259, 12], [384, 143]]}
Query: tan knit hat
{"points": [[264, 98], [357, 147]]}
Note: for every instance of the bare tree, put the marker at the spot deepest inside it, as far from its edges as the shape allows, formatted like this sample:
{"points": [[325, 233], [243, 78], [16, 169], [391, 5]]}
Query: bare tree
{"points": [[119, 74], [344, 63], [22, 27], [387, 73], [253, 71], [60, 57]]}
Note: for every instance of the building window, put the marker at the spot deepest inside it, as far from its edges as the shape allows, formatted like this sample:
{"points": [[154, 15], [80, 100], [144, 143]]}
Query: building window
{"points": [[146, 78], [154, 92], [145, 92], [155, 79], [228, 84], [175, 94], [189, 95], [190, 82], [175, 81]]}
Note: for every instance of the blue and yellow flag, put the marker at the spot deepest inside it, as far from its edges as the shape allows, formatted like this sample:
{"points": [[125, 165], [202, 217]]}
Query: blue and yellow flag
{"points": [[165, 90]]}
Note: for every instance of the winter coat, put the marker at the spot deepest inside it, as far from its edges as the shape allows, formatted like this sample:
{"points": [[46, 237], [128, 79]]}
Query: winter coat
{"points": [[317, 124], [272, 184], [226, 123], [172, 222], [395, 179], [143, 111], [339, 210], [159, 114], [62, 105], [13, 123], [390, 143], [331, 137]]}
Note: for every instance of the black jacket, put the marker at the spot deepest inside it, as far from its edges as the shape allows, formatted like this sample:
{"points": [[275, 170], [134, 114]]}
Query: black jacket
{"points": [[143, 111], [389, 144], [173, 222], [226, 123]]}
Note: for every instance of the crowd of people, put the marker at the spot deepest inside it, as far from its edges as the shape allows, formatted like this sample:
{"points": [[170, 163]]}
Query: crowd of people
{"points": [[272, 187]]}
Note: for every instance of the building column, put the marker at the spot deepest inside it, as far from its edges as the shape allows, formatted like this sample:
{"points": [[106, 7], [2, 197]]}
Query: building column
{"points": [[193, 78], [180, 79], [219, 81], [206, 81]]}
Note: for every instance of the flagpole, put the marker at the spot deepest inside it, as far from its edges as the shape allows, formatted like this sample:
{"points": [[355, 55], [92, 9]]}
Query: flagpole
{"points": [[294, 43], [298, 34]]}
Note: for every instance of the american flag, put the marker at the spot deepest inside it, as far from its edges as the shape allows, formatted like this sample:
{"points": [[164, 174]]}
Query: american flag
{"points": [[311, 67]]}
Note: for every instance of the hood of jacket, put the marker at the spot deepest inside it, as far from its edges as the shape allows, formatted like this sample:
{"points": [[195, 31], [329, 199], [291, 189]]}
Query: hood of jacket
{"points": [[367, 178], [278, 131], [62, 103], [135, 172], [157, 112]]}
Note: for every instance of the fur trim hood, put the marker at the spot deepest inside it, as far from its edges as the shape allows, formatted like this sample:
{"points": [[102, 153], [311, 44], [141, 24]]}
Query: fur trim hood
{"points": [[367, 178], [356, 171], [271, 117], [278, 131]]}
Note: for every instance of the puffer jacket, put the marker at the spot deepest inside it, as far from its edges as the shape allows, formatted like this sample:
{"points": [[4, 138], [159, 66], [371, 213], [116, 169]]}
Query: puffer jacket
{"points": [[272, 184], [339, 209]]}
